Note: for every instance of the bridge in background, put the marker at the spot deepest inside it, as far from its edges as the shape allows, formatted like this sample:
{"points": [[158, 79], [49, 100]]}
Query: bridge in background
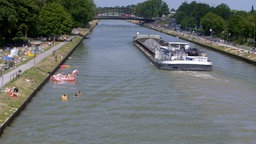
{"points": [[120, 13]]}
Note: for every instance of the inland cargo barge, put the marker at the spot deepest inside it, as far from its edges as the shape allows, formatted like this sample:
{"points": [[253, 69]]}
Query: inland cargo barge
{"points": [[172, 55]]}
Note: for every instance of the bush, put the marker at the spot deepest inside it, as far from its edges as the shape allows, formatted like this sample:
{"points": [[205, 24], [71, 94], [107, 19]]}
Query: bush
{"points": [[19, 41]]}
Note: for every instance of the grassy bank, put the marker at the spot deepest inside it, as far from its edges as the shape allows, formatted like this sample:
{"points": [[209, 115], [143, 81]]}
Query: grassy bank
{"points": [[29, 81]]}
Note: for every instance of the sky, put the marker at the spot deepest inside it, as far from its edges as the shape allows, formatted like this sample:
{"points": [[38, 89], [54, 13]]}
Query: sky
{"points": [[245, 5]]}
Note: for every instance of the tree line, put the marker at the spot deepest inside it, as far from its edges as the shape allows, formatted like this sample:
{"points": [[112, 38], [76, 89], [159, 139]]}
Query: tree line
{"points": [[220, 21], [148, 8], [20, 19], [152, 8]]}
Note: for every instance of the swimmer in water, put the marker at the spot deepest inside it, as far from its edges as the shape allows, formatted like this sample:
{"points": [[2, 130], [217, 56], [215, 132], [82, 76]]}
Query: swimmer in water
{"points": [[64, 97], [78, 94]]}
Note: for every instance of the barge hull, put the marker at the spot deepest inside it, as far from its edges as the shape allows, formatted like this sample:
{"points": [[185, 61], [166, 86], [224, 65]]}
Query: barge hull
{"points": [[184, 67]]}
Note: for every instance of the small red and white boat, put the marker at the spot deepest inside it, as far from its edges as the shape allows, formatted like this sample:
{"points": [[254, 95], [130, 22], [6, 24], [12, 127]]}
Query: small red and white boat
{"points": [[65, 77], [61, 77], [64, 66]]}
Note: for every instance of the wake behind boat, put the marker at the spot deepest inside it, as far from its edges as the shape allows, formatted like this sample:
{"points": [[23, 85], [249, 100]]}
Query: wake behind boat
{"points": [[172, 55]]}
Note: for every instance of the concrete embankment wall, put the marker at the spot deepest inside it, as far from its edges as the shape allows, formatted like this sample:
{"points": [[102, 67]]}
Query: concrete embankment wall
{"points": [[38, 87]]}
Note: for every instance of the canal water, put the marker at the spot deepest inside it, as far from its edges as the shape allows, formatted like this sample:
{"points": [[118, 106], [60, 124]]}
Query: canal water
{"points": [[127, 100]]}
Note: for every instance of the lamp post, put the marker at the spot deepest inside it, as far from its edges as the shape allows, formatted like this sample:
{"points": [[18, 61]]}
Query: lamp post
{"points": [[211, 32], [35, 53], [229, 34], [2, 73], [196, 26], [254, 35]]}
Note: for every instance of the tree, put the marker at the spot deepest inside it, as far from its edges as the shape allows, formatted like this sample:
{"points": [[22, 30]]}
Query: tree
{"points": [[212, 23], [27, 16], [82, 11], [40, 3], [184, 7], [241, 25], [152, 8], [158, 7], [252, 20], [189, 15], [8, 20], [198, 10], [17, 19], [164, 9], [180, 16], [185, 21], [54, 20], [20, 19], [221, 20], [145, 9], [223, 10]]}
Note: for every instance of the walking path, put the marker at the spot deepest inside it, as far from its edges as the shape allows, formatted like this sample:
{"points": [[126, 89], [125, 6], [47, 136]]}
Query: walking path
{"points": [[5, 78]]}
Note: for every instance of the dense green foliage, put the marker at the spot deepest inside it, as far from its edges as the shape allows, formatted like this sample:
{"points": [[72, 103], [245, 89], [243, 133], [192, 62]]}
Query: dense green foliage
{"points": [[152, 8], [212, 22], [54, 20], [7, 19], [20, 19], [82, 11], [147, 9], [220, 21]]}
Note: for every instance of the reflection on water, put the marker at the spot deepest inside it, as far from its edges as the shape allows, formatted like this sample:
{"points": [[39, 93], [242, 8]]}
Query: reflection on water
{"points": [[126, 99]]}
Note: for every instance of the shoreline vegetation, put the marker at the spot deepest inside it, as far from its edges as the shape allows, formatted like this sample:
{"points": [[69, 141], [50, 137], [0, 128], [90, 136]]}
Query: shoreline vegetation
{"points": [[31, 80], [242, 54]]}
